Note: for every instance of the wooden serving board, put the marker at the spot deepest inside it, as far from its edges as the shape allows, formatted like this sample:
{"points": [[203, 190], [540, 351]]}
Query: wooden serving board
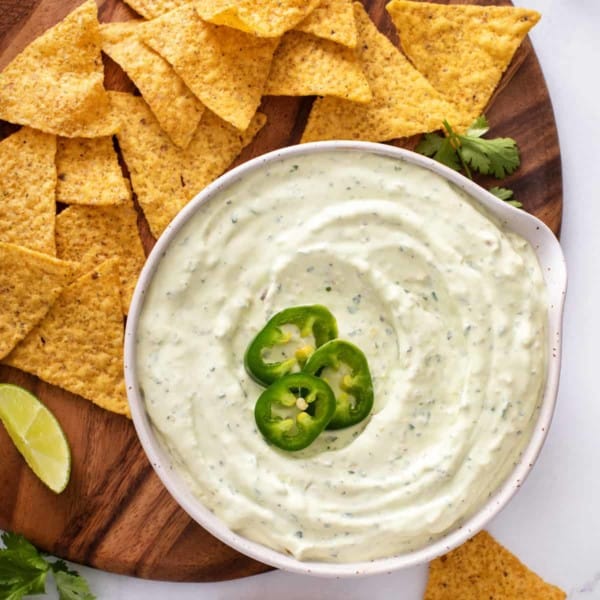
{"points": [[115, 514]]}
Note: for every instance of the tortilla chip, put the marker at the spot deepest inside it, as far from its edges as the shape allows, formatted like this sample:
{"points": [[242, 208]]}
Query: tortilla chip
{"points": [[78, 346], [304, 65], [404, 103], [267, 18], [150, 9], [56, 83], [30, 282], [175, 107], [89, 172], [164, 177], [332, 20], [482, 568], [27, 186], [225, 68], [91, 235], [461, 49]]}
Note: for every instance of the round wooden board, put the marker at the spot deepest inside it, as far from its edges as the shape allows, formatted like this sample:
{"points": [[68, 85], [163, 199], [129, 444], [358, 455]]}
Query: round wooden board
{"points": [[115, 514]]}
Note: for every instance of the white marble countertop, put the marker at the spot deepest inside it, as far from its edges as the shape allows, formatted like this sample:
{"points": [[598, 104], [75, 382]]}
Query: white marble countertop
{"points": [[553, 523]]}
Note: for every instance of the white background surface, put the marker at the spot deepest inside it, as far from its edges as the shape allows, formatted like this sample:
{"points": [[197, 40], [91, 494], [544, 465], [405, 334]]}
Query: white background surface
{"points": [[553, 524]]}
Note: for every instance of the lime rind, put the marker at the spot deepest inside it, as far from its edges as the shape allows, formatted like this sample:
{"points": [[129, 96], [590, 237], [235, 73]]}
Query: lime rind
{"points": [[37, 435]]}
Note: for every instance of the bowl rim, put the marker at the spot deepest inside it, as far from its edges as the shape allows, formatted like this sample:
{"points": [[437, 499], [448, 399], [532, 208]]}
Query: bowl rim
{"points": [[527, 225]]}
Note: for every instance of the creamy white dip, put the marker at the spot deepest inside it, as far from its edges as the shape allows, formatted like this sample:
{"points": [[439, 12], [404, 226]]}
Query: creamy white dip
{"points": [[449, 308]]}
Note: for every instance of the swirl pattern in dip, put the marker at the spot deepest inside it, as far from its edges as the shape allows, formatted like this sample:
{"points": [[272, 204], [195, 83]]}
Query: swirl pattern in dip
{"points": [[448, 307]]}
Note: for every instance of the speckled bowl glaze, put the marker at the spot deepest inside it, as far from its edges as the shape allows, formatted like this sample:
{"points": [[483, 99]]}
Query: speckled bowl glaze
{"points": [[552, 262]]}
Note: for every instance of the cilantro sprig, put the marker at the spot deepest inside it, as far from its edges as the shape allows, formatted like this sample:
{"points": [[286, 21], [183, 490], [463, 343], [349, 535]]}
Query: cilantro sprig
{"points": [[472, 152], [23, 572]]}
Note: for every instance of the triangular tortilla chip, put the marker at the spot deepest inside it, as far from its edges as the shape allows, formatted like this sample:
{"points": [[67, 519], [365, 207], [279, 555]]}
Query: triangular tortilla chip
{"points": [[225, 68], [175, 107], [56, 83], [461, 49], [304, 65], [89, 172], [332, 20], [266, 18], [404, 103], [30, 282], [481, 568], [78, 346], [91, 234], [27, 189], [150, 9], [164, 177]]}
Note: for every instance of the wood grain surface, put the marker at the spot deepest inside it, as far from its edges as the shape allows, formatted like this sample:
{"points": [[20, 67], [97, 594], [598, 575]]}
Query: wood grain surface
{"points": [[115, 514]]}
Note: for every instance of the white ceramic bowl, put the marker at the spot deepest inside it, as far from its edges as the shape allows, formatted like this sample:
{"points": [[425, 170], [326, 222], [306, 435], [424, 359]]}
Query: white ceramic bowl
{"points": [[552, 262]]}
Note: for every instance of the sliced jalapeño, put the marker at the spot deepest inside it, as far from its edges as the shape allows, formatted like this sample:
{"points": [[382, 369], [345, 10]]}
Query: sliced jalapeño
{"points": [[284, 344], [294, 410], [345, 369]]}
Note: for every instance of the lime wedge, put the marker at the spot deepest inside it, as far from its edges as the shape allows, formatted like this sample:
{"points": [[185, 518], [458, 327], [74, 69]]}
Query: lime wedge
{"points": [[37, 435]]}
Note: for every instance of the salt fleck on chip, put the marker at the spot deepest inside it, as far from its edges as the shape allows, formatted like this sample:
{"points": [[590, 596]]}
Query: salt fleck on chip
{"points": [[91, 235], [177, 110], [56, 83], [267, 18], [88, 172], [482, 568], [332, 20], [404, 102], [225, 68], [78, 346], [164, 177], [461, 49], [30, 282], [304, 65], [27, 190]]}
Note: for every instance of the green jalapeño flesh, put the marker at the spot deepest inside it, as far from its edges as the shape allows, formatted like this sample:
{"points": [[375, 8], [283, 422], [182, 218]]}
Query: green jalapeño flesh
{"points": [[284, 344], [294, 410], [345, 369]]}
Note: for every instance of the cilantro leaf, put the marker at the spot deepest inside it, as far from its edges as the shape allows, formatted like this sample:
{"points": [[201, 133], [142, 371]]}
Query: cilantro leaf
{"points": [[440, 148], [15, 573], [479, 127], [498, 157], [506, 195], [72, 587], [473, 156], [448, 155], [23, 572], [16, 546], [502, 193], [17, 590], [430, 143]]}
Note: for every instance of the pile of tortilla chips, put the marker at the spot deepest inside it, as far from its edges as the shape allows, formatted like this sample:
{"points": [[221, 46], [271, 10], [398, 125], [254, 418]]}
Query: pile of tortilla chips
{"points": [[202, 68]]}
